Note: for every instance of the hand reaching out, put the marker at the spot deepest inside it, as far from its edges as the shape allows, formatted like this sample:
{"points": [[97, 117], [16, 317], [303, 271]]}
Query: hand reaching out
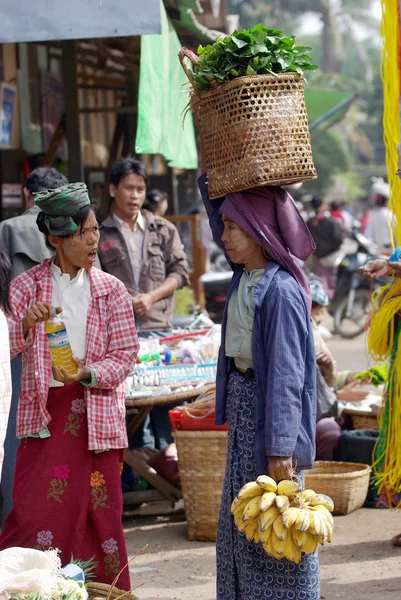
{"points": [[377, 269], [352, 392]]}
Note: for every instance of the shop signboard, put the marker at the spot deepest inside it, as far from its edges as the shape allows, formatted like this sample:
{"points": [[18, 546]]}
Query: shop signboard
{"points": [[8, 94]]}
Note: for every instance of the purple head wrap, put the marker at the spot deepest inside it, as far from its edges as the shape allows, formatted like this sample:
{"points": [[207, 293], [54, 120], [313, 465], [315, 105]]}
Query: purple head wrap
{"points": [[269, 215]]}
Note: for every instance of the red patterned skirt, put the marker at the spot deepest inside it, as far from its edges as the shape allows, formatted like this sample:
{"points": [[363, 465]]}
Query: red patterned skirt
{"points": [[66, 496]]}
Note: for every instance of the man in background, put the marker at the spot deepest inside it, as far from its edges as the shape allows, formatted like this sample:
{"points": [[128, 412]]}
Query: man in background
{"points": [[328, 235], [26, 247], [145, 252], [19, 235], [380, 222]]}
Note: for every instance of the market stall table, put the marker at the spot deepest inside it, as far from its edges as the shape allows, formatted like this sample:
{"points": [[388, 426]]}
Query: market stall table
{"points": [[138, 459]]}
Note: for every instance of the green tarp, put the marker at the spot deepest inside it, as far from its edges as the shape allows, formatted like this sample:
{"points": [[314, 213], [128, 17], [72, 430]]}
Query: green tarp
{"points": [[163, 99], [322, 102]]}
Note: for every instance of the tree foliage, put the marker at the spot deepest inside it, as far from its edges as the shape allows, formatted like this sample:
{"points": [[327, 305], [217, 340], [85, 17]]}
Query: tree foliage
{"points": [[347, 63]]}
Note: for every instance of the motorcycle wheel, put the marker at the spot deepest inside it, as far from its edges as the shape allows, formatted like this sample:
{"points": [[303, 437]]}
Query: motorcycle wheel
{"points": [[351, 327]]}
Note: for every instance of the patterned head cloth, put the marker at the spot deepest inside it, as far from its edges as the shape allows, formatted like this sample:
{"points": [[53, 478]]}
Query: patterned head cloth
{"points": [[60, 205]]}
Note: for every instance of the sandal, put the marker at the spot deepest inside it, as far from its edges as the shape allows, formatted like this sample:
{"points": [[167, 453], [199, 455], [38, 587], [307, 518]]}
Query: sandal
{"points": [[397, 540]]}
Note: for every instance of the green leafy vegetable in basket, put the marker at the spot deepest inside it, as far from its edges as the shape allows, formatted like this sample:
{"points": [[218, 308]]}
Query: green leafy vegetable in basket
{"points": [[256, 51], [88, 567], [376, 375]]}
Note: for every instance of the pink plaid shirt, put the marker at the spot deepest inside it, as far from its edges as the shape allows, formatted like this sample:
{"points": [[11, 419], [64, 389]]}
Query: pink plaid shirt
{"points": [[111, 350]]}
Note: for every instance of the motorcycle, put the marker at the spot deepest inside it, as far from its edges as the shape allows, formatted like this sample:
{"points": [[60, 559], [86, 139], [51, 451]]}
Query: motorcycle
{"points": [[350, 306]]}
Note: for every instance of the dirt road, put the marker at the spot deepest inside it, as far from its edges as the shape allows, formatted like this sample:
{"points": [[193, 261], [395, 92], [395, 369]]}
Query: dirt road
{"points": [[360, 564]]}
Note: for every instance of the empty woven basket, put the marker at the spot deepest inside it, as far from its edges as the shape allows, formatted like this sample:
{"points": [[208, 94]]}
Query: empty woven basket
{"points": [[254, 131], [100, 591], [201, 463], [346, 483]]}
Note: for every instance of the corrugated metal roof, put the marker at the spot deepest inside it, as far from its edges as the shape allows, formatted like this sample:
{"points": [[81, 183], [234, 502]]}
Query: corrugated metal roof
{"points": [[27, 21]]}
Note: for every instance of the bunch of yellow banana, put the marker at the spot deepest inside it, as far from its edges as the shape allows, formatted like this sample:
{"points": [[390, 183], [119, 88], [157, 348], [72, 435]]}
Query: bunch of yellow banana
{"points": [[283, 519]]}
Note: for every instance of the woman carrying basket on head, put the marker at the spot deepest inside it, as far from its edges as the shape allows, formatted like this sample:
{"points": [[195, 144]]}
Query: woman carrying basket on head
{"points": [[266, 377], [67, 488]]}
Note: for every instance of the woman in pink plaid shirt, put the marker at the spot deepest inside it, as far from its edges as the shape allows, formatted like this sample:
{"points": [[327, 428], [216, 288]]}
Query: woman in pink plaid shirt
{"points": [[67, 489]]}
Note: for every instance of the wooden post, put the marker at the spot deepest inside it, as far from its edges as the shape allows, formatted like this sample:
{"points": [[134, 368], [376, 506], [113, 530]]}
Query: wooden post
{"points": [[113, 155], [55, 142], [198, 254], [69, 71], [132, 102]]}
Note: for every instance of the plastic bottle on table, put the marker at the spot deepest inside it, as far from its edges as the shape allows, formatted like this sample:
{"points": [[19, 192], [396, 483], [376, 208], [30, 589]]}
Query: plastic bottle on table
{"points": [[60, 346]]}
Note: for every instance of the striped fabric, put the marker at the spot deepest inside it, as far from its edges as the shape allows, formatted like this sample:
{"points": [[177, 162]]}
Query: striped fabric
{"points": [[112, 347]]}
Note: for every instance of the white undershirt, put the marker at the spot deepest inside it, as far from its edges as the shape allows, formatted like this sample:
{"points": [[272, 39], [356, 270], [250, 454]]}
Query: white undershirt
{"points": [[378, 226], [134, 241], [73, 296]]}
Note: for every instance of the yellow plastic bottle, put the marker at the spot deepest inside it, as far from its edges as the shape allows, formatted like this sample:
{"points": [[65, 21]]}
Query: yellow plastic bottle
{"points": [[60, 346]]}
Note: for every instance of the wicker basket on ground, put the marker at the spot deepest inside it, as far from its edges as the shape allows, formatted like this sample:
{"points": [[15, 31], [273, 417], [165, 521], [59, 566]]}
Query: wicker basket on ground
{"points": [[346, 483], [100, 591], [201, 463], [254, 131]]}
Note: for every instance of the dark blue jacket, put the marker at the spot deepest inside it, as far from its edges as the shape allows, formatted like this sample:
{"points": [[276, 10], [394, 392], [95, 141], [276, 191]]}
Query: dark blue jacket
{"points": [[284, 361]]}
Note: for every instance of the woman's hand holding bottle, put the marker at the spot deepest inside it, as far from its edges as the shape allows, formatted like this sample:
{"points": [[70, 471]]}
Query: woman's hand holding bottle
{"points": [[61, 374], [38, 313]]}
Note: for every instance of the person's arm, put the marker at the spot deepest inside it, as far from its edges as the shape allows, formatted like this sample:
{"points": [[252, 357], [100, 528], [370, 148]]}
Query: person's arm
{"points": [[381, 267], [343, 378], [122, 349], [352, 392], [142, 303], [123, 345], [177, 275], [327, 367], [287, 340], [20, 334]]}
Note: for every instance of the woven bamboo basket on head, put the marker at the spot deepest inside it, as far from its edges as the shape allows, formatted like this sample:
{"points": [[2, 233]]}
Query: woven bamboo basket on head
{"points": [[100, 591], [346, 483], [254, 131], [201, 463]]}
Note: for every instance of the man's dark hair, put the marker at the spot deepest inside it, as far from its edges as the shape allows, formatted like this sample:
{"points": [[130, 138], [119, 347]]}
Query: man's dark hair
{"points": [[335, 205], [45, 178], [124, 167], [155, 196], [316, 202], [381, 201], [5, 278], [79, 219]]}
